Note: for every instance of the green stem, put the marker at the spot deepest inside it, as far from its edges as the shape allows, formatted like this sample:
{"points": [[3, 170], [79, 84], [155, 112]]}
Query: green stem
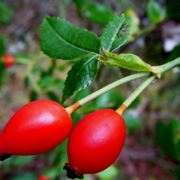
{"points": [[101, 91], [111, 86], [159, 70], [134, 95], [165, 67]]}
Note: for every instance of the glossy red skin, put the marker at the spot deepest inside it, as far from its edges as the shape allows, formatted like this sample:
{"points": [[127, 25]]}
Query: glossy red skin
{"points": [[8, 60], [36, 128], [96, 141]]}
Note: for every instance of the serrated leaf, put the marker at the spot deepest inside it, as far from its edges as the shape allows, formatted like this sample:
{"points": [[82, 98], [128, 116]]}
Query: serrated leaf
{"points": [[110, 32], [61, 39], [155, 12], [126, 61], [81, 75]]}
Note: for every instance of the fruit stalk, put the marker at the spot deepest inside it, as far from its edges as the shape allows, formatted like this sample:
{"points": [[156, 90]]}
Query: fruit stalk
{"points": [[134, 95], [160, 70], [103, 90]]}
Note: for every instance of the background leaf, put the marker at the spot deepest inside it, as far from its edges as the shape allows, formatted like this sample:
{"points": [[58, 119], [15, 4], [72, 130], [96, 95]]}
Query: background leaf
{"points": [[6, 13], [81, 75], [110, 99], [2, 46], [98, 13], [109, 173], [173, 9], [60, 39], [133, 22], [156, 13], [110, 32], [168, 137], [133, 123], [80, 3], [2, 74]]}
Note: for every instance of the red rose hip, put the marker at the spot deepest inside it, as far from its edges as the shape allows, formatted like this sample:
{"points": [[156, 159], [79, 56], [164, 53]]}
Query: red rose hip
{"points": [[36, 128], [95, 143]]}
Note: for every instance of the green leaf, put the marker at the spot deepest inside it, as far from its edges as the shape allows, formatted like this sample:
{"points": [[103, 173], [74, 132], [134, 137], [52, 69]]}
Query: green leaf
{"points": [[109, 173], [81, 75], [61, 39], [173, 9], [53, 96], [76, 116], [155, 12], [98, 13], [133, 123], [33, 95], [2, 46], [133, 23], [25, 175], [6, 13], [135, 103], [2, 74], [109, 100], [80, 3], [126, 61], [175, 53], [80, 94], [110, 32], [49, 83], [120, 41], [168, 137]]}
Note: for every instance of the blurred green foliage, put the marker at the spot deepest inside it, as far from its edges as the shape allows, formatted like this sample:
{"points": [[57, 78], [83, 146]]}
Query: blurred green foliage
{"points": [[175, 53], [2, 46], [133, 123], [168, 137], [6, 13], [173, 9], [95, 12], [155, 12]]}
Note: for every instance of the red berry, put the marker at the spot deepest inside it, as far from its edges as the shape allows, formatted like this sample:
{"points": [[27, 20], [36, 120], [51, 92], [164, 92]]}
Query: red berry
{"points": [[42, 177], [95, 142], [37, 127], [8, 60]]}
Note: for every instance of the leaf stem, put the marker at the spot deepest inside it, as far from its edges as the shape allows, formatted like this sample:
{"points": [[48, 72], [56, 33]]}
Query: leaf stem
{"points": [[101, 91], [134, 95], [165, 67]]}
